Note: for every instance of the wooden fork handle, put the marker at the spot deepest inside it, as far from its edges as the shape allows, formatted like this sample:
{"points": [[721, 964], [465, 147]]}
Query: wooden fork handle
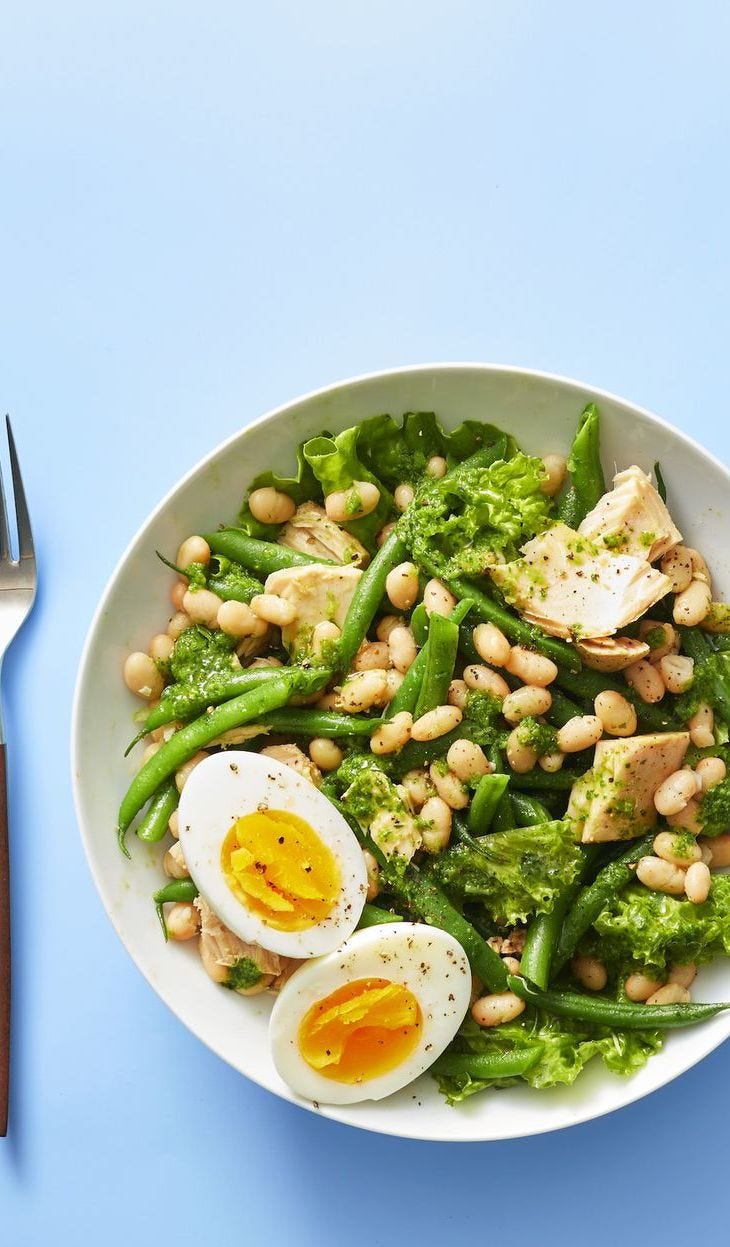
{"points": [[4, 949]]}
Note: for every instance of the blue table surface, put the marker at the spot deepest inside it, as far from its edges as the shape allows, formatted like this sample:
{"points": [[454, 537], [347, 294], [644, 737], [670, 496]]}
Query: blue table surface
{"points": [[206, 210]]}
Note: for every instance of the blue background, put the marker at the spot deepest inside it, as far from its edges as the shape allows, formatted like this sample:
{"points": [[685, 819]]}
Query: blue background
{"points": [[206, 209]]}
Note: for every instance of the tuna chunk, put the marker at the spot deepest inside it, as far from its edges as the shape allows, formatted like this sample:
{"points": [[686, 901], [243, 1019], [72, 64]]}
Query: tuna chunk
{"points": [[615, 799], [220, 949], [318, 591], [633, 518], [310, 531], [571, 587]]}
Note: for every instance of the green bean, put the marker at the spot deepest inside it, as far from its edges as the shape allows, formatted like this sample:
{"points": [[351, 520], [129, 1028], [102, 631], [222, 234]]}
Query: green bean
{"points": [[176, 890], [544, 781], [442, 644], [429, 903], [261, 557], [489, 610], [484, 803], [374, 916], [592, 899], [186, 700], [588, 684], [544, 930], [504, 815], [661, 486], [367, 598], [407, 695], [201, 732], [528, 811], [153, 826], [620, 1014], [562, 708], [305, 722], [584, 464], [695, 644], [487, 1066]]}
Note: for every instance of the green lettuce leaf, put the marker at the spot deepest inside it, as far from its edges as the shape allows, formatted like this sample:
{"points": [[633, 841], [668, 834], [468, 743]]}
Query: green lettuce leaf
{"points": [[398, 454], [714, 812], [567, 1048], [514, 874], [478, 516], [335, 463], [648, 929], [303, 487]]}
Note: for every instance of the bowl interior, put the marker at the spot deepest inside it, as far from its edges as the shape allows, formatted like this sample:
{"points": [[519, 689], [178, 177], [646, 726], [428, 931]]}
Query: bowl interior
{"points": [[541, 411]]}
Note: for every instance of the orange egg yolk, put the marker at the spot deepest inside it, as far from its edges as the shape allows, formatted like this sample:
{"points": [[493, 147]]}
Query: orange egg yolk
{"points": [[279, 868], [362, 1030]]}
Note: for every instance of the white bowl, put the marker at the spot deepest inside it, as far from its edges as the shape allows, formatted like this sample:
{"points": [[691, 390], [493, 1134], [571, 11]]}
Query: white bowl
{"points": [[541, 411]]}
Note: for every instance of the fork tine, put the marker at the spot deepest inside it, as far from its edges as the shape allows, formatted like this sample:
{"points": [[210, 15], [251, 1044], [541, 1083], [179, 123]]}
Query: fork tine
{"points": [[25, 534]]}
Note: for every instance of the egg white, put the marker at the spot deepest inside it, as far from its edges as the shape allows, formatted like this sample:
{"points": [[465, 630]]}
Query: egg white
{"points": [[426, 960], [231, 784]]}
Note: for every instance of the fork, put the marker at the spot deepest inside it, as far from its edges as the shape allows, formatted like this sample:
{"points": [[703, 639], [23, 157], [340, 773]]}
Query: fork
{"points": [[17, 593]]}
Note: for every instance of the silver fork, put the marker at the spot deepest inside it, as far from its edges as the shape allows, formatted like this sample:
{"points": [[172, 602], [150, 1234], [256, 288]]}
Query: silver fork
{"points": [[17, 593]]}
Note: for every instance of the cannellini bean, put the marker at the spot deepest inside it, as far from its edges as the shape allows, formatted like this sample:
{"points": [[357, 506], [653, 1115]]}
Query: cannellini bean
{"points": [[177, 593], [467, 760], [712, 771], [384, 533], [685, 974], [393, 735], [645, 680], [325, 753], [531, 668], [639, 987], [697, 883], [182, 775], [193, 550], [680, 850], [660, 876], [458, 692], [617, 715], [449, 787], [436, 723], [590, 972], [373, 873], [581, 732], [372, 654], [362, 690], [403, 497], [677, 672], [706, 854], [273, 609], [551, 762], [271, 506], [687, 818], [402, 648], [142, 677], [520, 757], [511, 965], [393, 681], [673, 793], [437, 599], [256, 663], [670, 994], [491, 644], [528, 700], [173, 824], [345, 505], [401, 586], [692, 604], [555, 469], [484, 680], [700, 570], [202, 606], [179, 623], [385, 626], [324, 636], [418, 787], [677, 565], [328, 701], [182, 921], [701, 727], [174, 864], [437, 834], [161, 647], [719, 847], [670, 643], [497, 1009], [236, 619], [436, 467]]}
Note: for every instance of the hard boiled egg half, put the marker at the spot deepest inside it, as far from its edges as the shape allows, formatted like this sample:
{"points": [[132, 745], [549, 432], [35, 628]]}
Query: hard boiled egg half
{"points": [[271, 855], [366, 1020]]}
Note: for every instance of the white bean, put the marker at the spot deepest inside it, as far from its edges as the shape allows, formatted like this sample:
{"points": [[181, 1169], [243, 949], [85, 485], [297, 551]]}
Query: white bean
{"points": [[491, 644], [384, 533], [639, 987], [674, 793], [362, 690], [325, 753], [701, 727], [436, 467], [685, 974], [324, 636], [437, 599], [680, 850], [393, 681], [645, 680], [174, 864], [528, 700], [401, 586], [530, 667], [449, 787], [551, 762], [236, 619], [692, 604], [700, 570], [403, 497], [521, 757], [373, 873], [436, 723], [458, 693], [660, 876], [183, 773], [372, 654], [668, 645], [677, 672], [177, 593], [179, 623], [437, 834], [677, 565], [590, 972], [418, 787], [393, 735], [555, 469], [617, 715], [467, 760], [202, 606], [497, 1009], [670, 994], [142, 677], [271, 506], [687, 818], [193, 550], [182, 921], [719, 847], [173, 824], [697, 883], [161, 647], [274, 609], [359, 500], [581, 732], [385, 626], [711, 771], [484, 680], [402, 648]]}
